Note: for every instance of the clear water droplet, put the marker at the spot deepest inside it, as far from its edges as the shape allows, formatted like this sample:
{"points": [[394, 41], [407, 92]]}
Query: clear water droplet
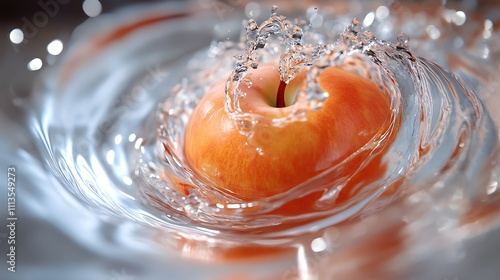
{"points": [[297, 33], [274, 10], [252, 25], [403, 40]]}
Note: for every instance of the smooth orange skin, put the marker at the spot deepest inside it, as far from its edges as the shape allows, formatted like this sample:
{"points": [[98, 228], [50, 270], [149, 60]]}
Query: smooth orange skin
{"points": [[353, 114]]}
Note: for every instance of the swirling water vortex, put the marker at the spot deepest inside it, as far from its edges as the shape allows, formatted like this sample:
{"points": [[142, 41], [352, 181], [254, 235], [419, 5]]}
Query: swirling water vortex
{"points": [[446, 145]]}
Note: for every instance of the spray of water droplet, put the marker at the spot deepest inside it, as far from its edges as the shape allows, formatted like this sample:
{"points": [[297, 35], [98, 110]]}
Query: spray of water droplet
{"points": [[392, 66], [295, 55]]}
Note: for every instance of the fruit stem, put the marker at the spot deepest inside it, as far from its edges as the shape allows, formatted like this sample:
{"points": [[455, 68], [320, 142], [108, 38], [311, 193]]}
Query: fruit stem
{"points": [[280, 96]]}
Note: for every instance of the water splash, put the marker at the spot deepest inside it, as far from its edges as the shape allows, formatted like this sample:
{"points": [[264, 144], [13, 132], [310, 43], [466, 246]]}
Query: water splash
{"points": [[294, 55], [444, 161], [421, 153], [445, 143]]}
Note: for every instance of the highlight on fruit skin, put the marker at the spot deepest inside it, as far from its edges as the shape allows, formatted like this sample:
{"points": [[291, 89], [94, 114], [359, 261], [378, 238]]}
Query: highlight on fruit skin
{"points": [[355, 113]]}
